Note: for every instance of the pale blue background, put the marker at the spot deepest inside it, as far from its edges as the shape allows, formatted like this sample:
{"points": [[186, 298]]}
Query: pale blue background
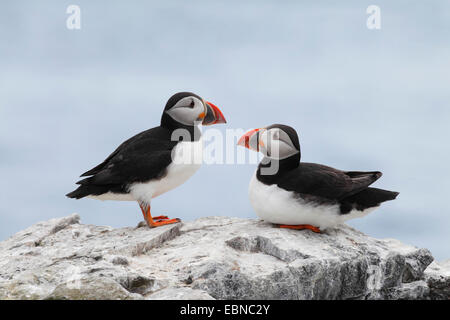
{"points": [[360, 99]]}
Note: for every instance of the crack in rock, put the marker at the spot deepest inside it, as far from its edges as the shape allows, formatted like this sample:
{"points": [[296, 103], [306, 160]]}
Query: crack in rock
{"points": [[266, 246], [138, 284], [64, 223], [158, 241]]}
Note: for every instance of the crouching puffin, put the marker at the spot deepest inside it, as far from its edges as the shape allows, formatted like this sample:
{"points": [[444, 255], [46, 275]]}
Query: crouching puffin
{"points": [[156, 160], [299, 195]]}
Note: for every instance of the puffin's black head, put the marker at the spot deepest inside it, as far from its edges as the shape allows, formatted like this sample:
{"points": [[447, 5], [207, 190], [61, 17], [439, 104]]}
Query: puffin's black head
{"points": [[277, 141], [188, 109]]}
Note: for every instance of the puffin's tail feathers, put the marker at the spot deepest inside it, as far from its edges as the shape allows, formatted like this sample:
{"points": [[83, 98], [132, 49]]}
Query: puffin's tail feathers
{"points": [[89, 190], [367, 198], [95, 190], [378, 195], [80, 192]]}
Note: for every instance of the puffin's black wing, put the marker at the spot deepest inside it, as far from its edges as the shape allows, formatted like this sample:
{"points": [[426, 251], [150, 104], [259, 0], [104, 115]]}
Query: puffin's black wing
{"points": [[326, 182], [157, 133], [139, 162], [142, 158]]}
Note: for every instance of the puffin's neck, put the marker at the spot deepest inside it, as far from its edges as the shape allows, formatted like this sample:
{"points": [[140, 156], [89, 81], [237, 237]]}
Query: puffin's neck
{"points": [[283, 166], [189, 133]]}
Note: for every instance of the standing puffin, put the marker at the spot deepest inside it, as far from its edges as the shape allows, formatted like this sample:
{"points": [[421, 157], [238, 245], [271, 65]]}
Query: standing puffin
{"points": [[299, 195], [154, 161]]}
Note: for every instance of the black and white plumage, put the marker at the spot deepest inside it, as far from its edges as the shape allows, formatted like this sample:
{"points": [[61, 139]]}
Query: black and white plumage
{"points": [[288, 192], [156, 160]]}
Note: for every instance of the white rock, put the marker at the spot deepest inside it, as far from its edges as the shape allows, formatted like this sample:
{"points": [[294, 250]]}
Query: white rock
{"points": [[437, 276], [212, 258], [180, 293]]}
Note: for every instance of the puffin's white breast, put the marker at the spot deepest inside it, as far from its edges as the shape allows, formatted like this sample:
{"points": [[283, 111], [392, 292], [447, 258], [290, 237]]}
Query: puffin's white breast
{"points": [[279, 206]]}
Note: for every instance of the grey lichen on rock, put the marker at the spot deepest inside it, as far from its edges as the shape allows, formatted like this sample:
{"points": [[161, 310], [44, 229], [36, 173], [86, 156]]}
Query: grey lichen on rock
{"points": [[213, 258]]}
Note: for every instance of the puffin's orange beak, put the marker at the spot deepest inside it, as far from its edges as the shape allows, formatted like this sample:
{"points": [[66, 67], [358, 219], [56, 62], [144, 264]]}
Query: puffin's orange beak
{"points": [[213, 115], [250, 140]]}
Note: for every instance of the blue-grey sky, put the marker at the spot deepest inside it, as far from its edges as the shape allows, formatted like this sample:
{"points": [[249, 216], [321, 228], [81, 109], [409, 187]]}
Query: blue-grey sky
{"points": [[360, 99]]}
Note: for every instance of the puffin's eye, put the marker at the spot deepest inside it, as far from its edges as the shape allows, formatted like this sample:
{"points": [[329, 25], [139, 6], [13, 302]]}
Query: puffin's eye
{"points": [[192, 104]]}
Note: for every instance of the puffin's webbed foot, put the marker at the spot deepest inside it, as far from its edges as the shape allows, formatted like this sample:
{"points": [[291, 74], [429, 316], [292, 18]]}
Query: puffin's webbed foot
{"points": [[161, 218], [153, 222], [158, 223], [300, 227]]}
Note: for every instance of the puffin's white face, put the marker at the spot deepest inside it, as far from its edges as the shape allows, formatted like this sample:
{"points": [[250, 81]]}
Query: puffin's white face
{"points": [[276, 144], [188, 110], [273, 143]]}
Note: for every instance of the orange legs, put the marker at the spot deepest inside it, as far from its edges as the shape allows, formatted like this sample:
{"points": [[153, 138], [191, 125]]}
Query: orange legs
{"points": [[156, 221], [301, 226]]}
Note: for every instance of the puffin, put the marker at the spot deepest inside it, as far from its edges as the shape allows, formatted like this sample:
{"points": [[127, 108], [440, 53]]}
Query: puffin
{"points": [[154, 161], [300, 195]]}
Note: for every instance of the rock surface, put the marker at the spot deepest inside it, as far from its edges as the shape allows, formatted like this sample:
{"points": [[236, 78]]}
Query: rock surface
{"points": [[213, 258]]}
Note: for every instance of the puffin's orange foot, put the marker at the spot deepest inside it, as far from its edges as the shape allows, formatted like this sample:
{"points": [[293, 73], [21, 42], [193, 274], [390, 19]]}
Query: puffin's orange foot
{"points": [[301, 226], [161, 218], [154, 224]]}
